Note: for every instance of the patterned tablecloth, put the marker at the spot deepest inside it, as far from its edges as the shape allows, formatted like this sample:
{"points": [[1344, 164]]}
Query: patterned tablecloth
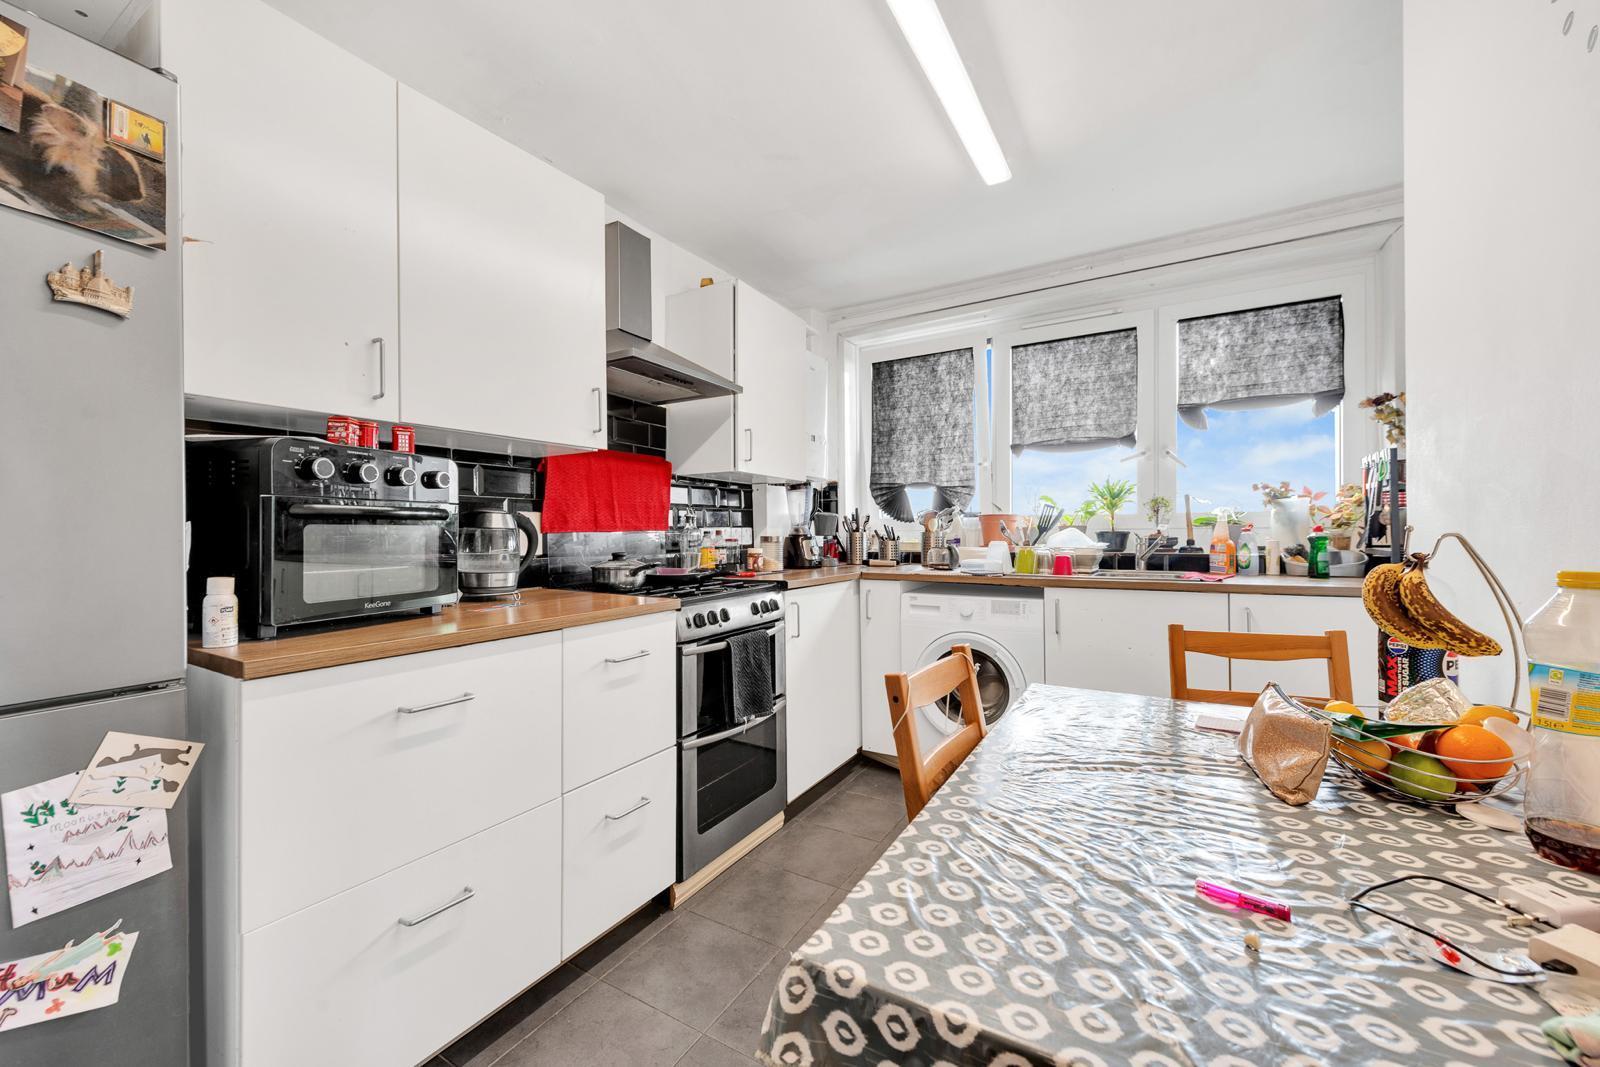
{"points": [[1041, 910]]}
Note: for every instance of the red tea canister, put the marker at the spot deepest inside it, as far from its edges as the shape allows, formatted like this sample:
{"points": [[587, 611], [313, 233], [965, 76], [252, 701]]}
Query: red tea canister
{"points": [[343, 430], [369, 434], [402, 439]]}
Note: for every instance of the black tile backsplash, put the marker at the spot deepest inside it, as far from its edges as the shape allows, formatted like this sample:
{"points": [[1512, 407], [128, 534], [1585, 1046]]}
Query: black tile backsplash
{"points": [[634, 426], [570, 555]]}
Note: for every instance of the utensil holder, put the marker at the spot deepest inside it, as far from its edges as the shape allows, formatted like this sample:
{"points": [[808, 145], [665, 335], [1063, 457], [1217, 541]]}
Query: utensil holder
{"points": [[927, 545], [889, 550], [856, 549]]}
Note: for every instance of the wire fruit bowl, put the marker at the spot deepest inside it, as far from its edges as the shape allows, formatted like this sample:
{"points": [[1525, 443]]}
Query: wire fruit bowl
{"points": [[1375, 758]]}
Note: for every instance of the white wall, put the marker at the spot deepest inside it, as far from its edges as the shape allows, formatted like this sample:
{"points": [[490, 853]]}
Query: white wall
{"points": [[1502, 156]]}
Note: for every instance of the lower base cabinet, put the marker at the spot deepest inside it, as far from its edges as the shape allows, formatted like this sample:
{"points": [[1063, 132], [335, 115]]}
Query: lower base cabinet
{"points": [[403, 964], [1116, 639], [880, 655], [823, 666], [619, 846]]}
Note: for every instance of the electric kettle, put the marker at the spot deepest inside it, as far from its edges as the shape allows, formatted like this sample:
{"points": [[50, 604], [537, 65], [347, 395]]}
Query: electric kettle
{"points": [[491, 557]]}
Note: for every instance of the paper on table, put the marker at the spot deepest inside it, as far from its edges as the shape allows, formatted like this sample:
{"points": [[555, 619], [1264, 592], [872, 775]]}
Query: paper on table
{"points": [[59, 854], [33, 991], [134, 771]]}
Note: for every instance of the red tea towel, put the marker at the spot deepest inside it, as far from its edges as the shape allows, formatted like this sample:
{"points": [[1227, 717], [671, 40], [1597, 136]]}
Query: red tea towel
{"points": [[606, 492]]}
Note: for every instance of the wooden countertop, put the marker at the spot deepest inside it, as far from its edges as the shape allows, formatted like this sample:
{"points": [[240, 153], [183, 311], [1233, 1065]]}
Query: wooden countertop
{"points": [[1158, 580], [805, 577], [470, 622]]}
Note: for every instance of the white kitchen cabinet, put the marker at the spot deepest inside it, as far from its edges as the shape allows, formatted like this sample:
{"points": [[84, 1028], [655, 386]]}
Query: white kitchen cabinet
{"points": [[1116, 639], [817, 389], [288, 231], [761, 433], [619, 684], [1282, 614], [619, 846], [880, 655], [347, 981], [502, 284], [823, 664]]}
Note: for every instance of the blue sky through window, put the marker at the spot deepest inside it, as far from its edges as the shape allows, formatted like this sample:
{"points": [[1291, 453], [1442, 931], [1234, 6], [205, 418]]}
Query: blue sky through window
{"points": [[1065, 476], [1260, 445]]}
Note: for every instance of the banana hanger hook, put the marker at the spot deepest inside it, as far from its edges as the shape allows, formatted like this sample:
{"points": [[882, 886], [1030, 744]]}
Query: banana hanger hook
{"points": [[1502, 599]]}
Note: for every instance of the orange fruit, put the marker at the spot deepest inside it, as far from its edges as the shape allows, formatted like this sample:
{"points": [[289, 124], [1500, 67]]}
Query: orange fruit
{"points": [[1343, 707], [1490, 757], [1476, 716], [1400, 741], [1371, 755]]}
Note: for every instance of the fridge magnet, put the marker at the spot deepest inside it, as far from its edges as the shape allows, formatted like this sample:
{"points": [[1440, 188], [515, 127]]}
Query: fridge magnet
{"points": [[13, 59], [133, 771], [90, 286], [60, 854], [135, 130], [59, 164], [65, 981]]}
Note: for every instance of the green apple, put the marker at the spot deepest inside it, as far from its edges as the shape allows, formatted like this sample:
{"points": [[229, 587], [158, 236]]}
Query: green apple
{"points": [[1417, 774]]}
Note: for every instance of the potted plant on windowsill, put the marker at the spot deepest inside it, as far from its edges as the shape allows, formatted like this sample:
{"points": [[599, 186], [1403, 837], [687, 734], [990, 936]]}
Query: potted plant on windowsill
{"points": [[1108, 498], [1291, 513], [1158, 509], [1084, 515], [1346, 516]]}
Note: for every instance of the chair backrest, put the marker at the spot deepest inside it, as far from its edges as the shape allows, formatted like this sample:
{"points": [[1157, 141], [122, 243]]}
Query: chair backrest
{"points": [[1330, 646], [921, 775]]}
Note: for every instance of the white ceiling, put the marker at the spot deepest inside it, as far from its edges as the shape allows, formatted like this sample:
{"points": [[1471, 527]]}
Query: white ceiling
{"points": [[797, 144]]}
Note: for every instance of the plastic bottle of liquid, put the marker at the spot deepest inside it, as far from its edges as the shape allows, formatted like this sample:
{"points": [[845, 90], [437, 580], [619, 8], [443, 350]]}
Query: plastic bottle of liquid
{"points": [[708, 552], [1247, 550], [1562, 806], [1224, 557], [219, 615], [1317, 553]]}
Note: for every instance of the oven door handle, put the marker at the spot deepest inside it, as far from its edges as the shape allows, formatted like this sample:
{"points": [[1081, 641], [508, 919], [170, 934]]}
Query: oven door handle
{"points": [[701, 742], [367, 511], [718, 646]]}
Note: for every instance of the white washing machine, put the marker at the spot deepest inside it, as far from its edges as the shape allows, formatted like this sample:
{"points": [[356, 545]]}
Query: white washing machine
{"points": [[1004, 626]]}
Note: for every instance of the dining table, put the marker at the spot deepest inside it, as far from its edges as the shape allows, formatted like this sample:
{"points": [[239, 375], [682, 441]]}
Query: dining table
{"points": [[1042, 909]]}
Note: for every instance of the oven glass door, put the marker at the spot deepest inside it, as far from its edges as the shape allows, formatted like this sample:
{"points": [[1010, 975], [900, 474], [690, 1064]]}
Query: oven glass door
{"points": [[731, 771], [337, 560]]}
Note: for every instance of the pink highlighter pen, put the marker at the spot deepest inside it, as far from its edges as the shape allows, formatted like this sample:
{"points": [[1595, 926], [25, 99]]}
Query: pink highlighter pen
{"points": [[1223, 895]]}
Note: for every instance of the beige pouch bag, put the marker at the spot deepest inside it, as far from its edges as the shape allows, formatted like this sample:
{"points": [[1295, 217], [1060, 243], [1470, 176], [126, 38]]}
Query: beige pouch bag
{"points": [[1285, 745]]}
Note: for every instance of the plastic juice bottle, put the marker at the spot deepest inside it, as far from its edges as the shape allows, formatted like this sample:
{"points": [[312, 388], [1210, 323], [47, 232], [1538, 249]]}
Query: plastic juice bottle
{"points": [[1562, 805], [1317, 553], [708, 553], [1224, 557]]}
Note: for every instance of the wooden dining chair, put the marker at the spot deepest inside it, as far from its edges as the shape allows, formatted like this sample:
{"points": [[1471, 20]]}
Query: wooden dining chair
{"points": [[921, 776], [1330, 646]]}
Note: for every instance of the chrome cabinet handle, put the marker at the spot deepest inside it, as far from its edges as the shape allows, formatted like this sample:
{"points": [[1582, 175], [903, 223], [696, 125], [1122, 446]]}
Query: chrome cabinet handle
{"points": [[413, 709], [641, 654], [623, 815], [795, 607], [1249, 620], [383, 366], [459, 899], [749, 446], [599, 410], [1058, 616], [869, 605]]}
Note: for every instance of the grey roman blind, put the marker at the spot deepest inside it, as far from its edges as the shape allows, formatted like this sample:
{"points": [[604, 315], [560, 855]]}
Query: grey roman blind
{"points": [[1261, 358], [922, 431], [1076, 393]]}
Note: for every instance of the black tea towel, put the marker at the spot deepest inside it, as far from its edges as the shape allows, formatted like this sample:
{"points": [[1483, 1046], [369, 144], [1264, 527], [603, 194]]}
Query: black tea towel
{"points": [[751, 657]]}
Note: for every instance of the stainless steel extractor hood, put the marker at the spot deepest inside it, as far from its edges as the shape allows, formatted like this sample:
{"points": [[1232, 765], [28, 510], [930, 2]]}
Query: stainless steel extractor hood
{"points": [[636, 367]]}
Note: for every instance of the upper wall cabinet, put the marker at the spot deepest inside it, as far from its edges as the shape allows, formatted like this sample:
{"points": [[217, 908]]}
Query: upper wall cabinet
{"points": [[817, 388], [288, 212], [502, 278], [760, 435]]}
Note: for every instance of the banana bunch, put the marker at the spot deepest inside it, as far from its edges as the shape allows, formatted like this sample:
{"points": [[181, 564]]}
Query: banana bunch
{"points": [[1398, 599]]}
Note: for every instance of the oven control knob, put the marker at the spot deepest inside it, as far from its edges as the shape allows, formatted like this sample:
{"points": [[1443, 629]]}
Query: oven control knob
{"points": [[772, 605], [725, 615], [317, 468], [699, 620], [437, 480], [755, 609], [402, 476], [362, 472]]}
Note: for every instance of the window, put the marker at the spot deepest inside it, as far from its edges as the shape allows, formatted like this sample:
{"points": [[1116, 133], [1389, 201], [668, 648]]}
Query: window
{"points": [[926, 420], [1289, 443]]}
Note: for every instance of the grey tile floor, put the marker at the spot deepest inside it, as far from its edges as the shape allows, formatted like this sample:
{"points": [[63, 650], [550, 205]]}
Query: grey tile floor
{"points": [[690, 987]]}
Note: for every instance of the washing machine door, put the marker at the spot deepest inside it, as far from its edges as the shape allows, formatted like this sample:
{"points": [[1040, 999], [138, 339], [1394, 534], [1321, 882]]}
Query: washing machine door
{"points": [[1000, 680]]}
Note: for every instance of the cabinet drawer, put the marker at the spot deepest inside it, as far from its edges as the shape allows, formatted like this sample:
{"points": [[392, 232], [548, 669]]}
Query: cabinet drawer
{"points": [[619, 694], [346, 982], [619, 846], [349, 772]]}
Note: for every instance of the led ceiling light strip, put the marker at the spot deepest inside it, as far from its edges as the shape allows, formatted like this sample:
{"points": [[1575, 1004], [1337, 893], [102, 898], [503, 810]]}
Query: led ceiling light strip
{"points": [[930, 41]]}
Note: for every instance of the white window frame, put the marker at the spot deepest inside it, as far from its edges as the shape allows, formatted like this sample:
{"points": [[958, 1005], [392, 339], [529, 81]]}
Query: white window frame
{"points": [[1354, 436], [978, 341], [1143, 469]]}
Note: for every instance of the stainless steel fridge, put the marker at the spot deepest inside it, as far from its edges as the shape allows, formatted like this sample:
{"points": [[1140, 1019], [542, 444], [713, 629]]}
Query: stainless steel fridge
{"points": [[91, 516]]}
